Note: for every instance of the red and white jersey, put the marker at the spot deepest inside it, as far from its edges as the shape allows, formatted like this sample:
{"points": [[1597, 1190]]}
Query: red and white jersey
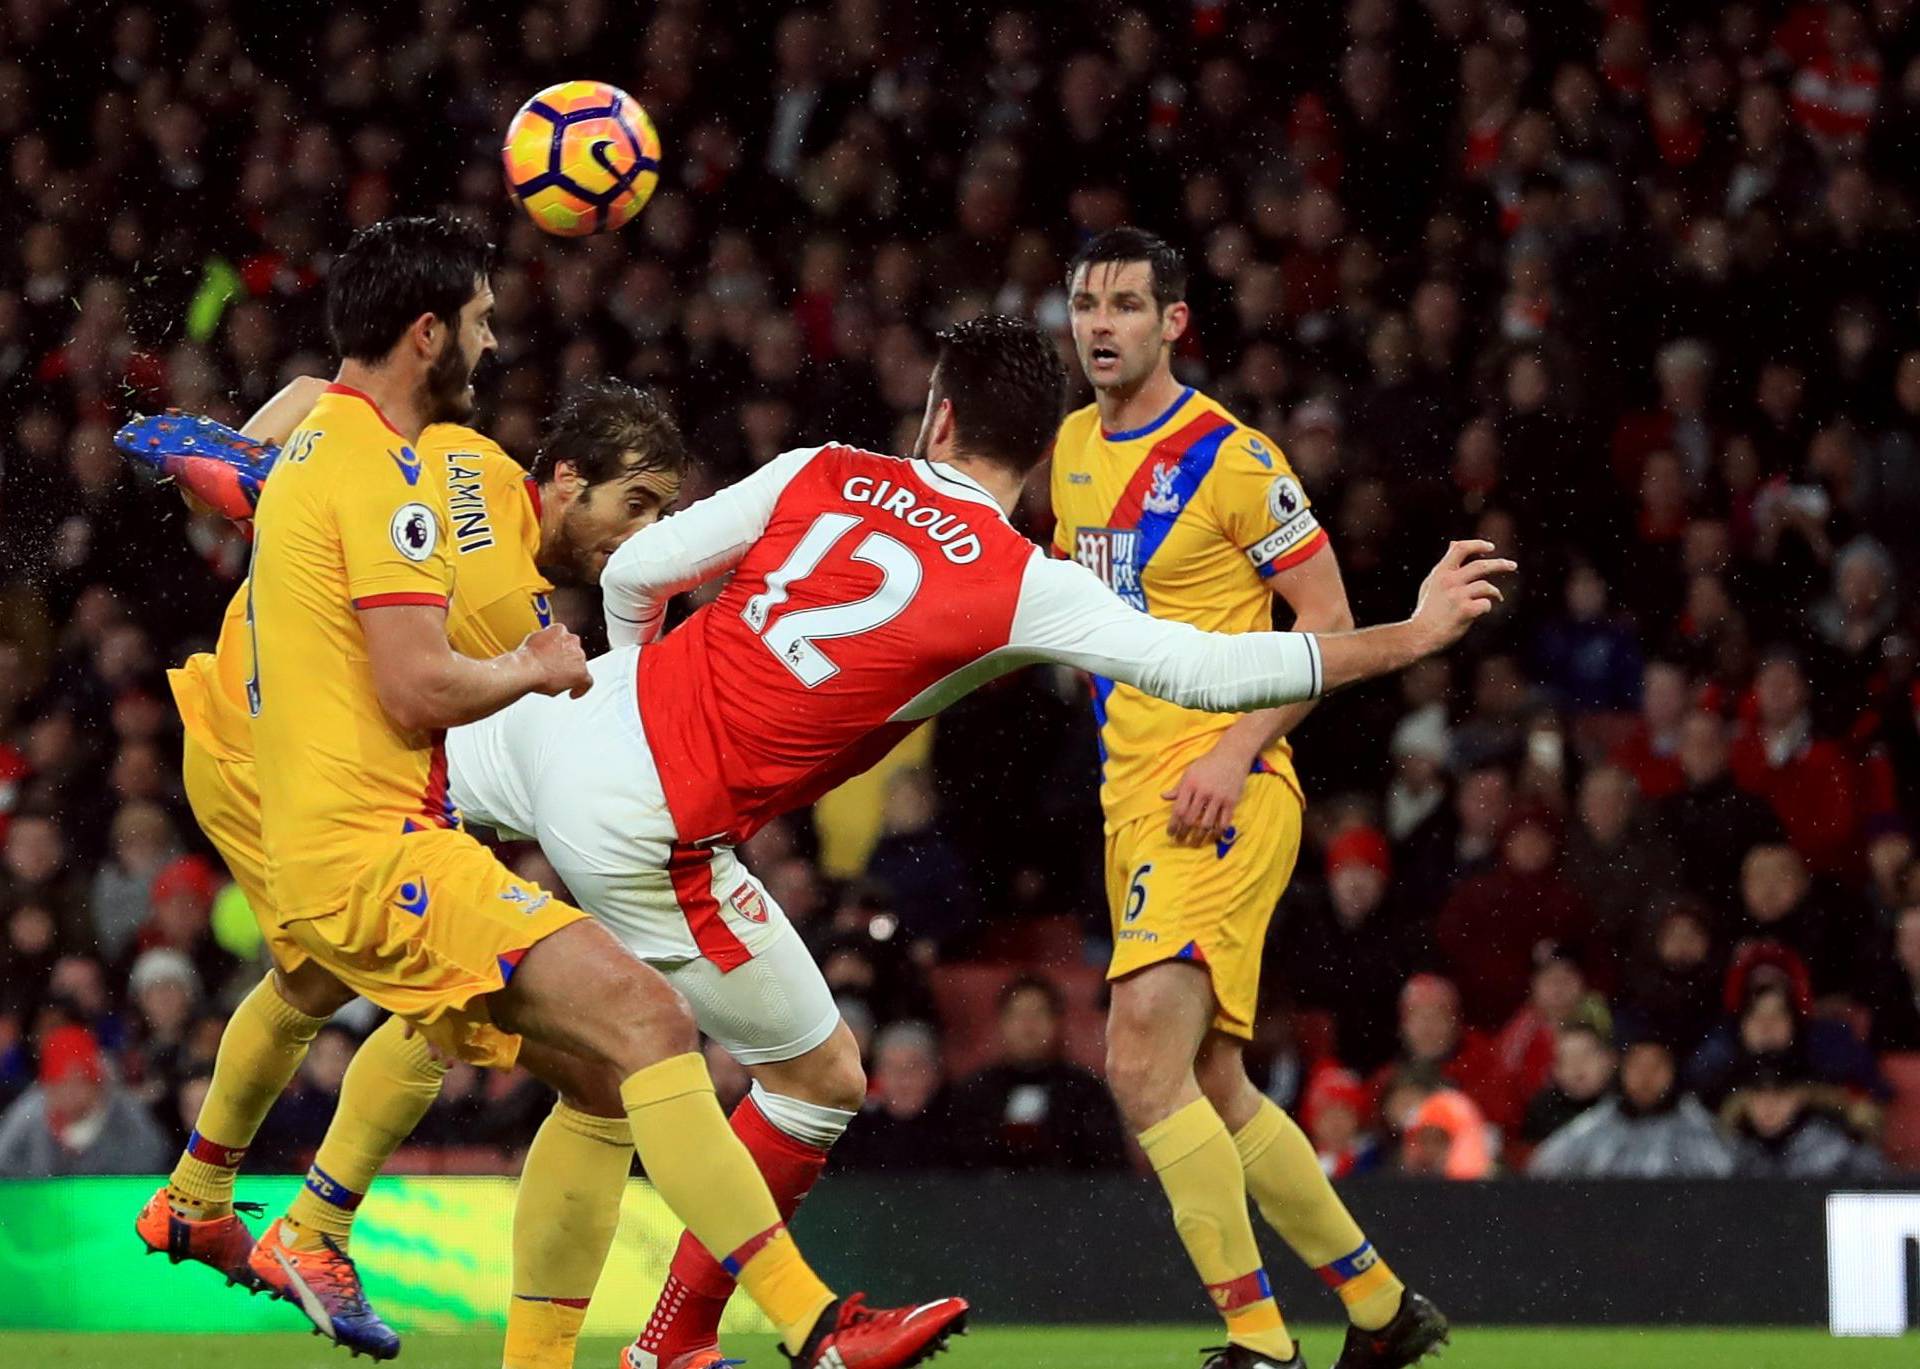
{"points": [[868, 593]]}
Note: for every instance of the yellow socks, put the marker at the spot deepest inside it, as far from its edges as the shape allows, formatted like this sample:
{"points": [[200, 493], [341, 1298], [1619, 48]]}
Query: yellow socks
{"points": [[563, 1223], [710, 1181], [1200, 1170], [264, 1043], [388, 1088], [1285, 1177]]}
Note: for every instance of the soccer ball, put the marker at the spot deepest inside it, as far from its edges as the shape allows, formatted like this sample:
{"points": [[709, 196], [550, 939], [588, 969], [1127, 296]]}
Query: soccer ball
{"points": [[581, 157]]}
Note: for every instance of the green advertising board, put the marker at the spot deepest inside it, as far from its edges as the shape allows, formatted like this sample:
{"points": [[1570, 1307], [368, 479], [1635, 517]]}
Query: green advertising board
{"points": [[435, 1252]]}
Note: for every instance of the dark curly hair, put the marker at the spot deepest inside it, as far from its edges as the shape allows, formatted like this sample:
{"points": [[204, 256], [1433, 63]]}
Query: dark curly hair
{"points": [[394, 271], [1007, 386], [1169, 268], [599, 423]]}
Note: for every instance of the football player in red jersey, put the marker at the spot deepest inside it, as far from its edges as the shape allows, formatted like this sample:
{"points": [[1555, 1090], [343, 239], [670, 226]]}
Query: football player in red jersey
{"points": [[867, 592]]}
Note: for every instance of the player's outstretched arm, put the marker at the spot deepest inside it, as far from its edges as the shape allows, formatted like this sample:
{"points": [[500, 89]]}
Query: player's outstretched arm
{"points": [[1456, 593], [1069, 617], [424, 684]]}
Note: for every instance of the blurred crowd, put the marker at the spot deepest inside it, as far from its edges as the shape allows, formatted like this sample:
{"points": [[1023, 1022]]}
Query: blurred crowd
{"points": [[1627, 885]]}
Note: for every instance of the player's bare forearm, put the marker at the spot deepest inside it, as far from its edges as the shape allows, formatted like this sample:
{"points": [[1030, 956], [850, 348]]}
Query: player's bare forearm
{"points": [[1457, 592], [424, 684]]}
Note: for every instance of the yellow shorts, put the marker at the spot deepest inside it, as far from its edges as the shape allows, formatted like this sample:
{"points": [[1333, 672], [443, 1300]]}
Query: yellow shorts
{"points": [[226, 803], [1207, 904], [432, 925]]}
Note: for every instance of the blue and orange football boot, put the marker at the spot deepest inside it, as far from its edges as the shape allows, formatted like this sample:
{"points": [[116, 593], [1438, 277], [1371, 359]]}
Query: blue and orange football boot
{"points": [[221, 468], [223, 1244], [324, 1284]]}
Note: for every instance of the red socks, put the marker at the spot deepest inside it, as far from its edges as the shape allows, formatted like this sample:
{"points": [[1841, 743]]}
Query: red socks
{"points": [[687, 1316]]}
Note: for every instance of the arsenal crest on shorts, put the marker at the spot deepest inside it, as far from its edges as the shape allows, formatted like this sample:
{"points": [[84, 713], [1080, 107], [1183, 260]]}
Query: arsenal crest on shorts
{"points": [[750, 903]]}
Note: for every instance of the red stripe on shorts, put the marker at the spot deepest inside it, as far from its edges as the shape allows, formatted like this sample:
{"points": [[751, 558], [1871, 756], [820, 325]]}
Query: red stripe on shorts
{"points": [[691, 870]]}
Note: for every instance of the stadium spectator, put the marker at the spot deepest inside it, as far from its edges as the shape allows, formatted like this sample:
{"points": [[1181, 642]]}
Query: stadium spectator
{"points": [[77, 1119], [907, 1121], [1779, 1134], [1650, 1131], [182, 919], [1583, 1071], [1032, 1108], [1672, 992], [1434, 1038], [1488, 929], [1711, 824], [1782, 902], [1559, 998], [931, 884], [165, 991], [1772, 1025], [1334, 1114], [1618, 862], [1349, 954], [141, 841], [1896, 996], [1650, 751], [1443, 1134], [1806, 778]]}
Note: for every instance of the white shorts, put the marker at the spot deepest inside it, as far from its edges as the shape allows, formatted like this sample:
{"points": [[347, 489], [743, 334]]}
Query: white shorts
{"points": [[577, 776]]}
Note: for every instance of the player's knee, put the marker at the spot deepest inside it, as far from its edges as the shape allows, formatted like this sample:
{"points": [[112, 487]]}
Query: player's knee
{"points": [[839, 1081], [655, 1022], [1142, 1084], [311, 990], [595, 1090]]}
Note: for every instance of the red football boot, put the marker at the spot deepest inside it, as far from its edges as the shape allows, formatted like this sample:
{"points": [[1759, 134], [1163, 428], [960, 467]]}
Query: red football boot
{"points": [[851, 1335]]}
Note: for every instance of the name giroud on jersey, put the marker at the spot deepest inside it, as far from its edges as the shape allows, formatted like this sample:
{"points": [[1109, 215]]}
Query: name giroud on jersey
{"points": [[958, 543]]}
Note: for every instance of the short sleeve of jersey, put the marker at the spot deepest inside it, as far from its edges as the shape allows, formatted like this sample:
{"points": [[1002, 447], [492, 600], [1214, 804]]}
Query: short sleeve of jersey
{"points": [[1260, 504], [393, 539]]}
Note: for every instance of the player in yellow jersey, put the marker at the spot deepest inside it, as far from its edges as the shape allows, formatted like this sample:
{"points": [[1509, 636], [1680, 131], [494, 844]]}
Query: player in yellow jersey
{"points": [[352, 683], [610, 462], [1187, 513]]}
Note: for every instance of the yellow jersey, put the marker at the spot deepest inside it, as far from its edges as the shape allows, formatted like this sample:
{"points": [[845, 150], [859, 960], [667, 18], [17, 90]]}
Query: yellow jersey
{"points": [[1184, 518], [499, 594]]}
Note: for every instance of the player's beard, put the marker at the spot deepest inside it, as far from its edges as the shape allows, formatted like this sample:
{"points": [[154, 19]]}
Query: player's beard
{"points": [[449, 385]]}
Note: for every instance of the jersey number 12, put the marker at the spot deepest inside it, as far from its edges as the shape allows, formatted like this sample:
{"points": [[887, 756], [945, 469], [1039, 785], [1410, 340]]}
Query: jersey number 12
{"points": [[791, 636]]}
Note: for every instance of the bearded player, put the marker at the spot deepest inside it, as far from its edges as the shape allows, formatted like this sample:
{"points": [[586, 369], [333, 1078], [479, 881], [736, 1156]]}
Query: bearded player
{"points": [[867, 593], [351, 684], [610, 461], [1189, 515]]}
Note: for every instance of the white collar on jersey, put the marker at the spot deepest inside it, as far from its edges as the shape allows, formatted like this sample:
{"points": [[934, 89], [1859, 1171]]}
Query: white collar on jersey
{"points": [[949, 480]]}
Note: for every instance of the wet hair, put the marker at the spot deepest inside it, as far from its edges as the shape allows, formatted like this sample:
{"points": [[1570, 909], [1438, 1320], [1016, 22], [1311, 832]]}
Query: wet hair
{"points": [[394, 271], [1163, 259], [1007, 386], [599, 422]]}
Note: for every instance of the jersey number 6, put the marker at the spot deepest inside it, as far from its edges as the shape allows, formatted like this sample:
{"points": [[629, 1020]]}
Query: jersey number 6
{"points": [[792, 635]]}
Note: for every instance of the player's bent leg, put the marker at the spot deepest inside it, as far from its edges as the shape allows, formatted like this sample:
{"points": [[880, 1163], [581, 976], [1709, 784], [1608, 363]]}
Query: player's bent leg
{"points": [[1293, 1192], [392, 1081], [567, 1209], [578, 990], [192, 1217], [1159, 1016], [795, 1113]]}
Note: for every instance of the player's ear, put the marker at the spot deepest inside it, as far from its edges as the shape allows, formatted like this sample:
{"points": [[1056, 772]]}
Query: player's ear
{"points": [[1174, 320], [424, 334], [566, 476]]}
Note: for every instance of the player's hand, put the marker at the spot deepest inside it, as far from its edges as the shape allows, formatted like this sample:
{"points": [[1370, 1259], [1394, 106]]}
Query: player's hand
{"points": [[1457, 591], [559, 661], [1204, 800]]}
